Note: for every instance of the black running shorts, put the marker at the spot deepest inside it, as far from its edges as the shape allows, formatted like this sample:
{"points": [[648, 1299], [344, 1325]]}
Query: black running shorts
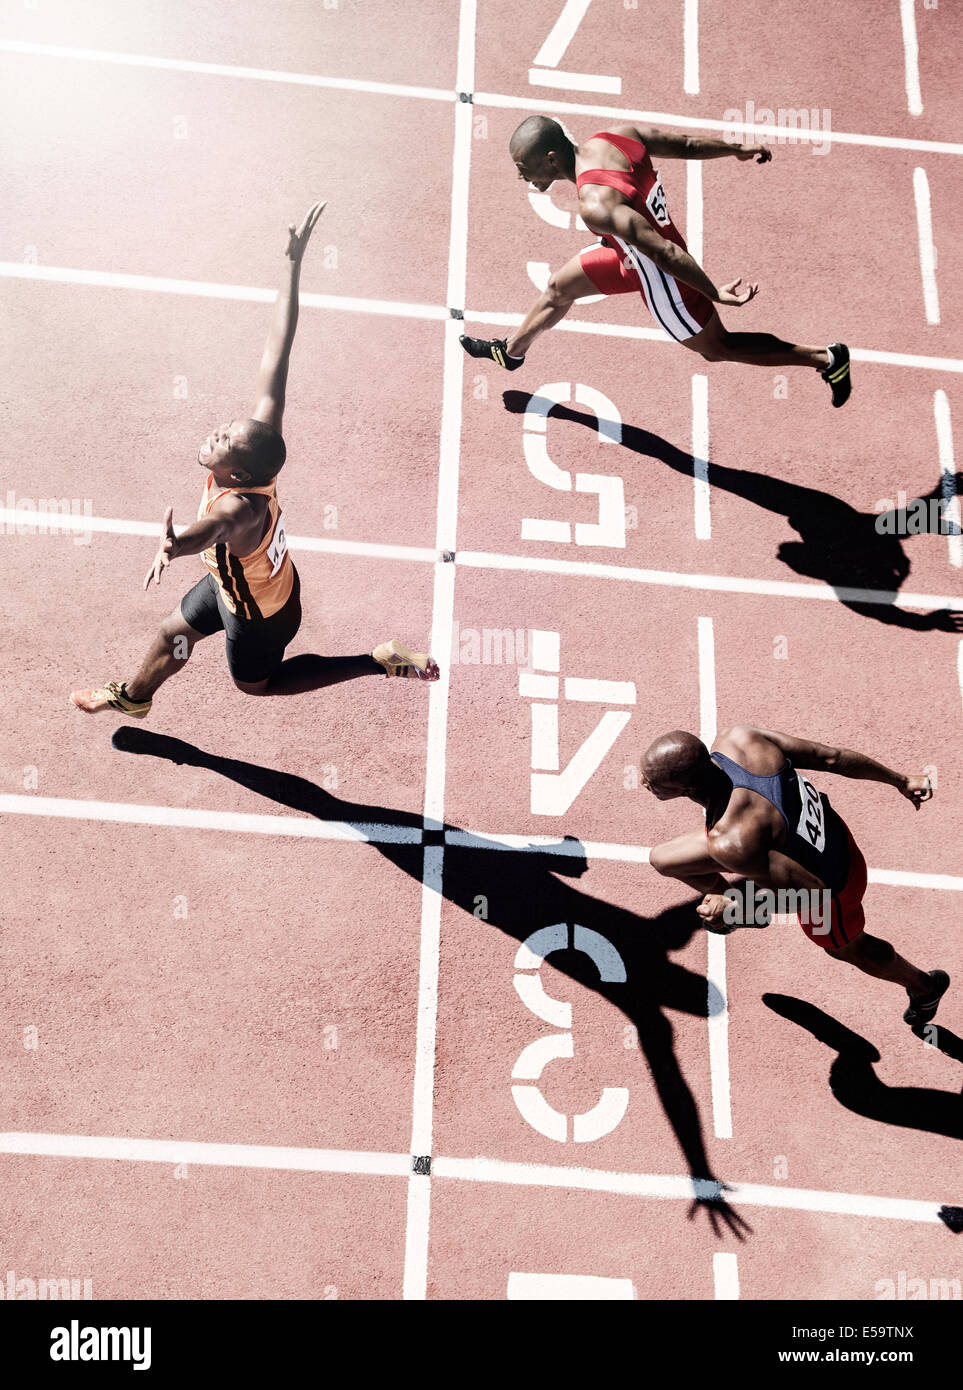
{"points": [[254, 649]]}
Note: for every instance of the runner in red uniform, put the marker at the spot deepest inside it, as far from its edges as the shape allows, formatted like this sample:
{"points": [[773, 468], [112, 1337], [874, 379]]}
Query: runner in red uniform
{"points": [[766, 822], [641, 251]]}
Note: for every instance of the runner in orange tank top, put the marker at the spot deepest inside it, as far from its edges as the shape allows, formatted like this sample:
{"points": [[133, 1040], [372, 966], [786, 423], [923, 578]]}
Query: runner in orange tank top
{"points": [[621, 199], [251, 591]]}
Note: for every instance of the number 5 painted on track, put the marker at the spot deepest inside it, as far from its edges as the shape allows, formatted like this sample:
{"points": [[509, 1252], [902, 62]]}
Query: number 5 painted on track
{"points": [[609, 530]]}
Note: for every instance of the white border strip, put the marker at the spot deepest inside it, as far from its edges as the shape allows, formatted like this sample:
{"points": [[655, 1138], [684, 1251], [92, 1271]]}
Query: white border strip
{"points": [[217, 1155], [658, 1186], [717, 1018], [418, 1221], [718, 583], [700, 457], [209, 289], [12, 519], [664, 1187], [690, 49], [725, 1274], [764, 131], [924, 231], [363, 832], [911, 57], [944, 442], [298, 79], [520, 103]]}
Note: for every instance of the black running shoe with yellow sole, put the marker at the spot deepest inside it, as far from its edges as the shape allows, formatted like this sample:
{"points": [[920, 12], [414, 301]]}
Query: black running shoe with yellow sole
{"points": [[495, 349], [922, 1007], [838, 374]]}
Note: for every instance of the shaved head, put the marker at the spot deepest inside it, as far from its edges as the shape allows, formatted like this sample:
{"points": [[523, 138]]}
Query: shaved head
{"points": [[536, 137], [676, 763]]}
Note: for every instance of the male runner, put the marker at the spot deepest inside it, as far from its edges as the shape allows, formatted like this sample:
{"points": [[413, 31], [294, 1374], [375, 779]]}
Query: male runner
{"points": [[621, 199], [251, 591], [766, 821]]}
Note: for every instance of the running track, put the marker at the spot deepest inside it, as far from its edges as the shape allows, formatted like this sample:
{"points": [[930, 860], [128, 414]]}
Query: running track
{"points": [[253, 980]]}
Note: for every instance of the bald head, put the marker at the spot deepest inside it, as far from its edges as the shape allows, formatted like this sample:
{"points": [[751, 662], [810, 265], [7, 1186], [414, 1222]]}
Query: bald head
{"points": [[676, 763], [542, 152], [536, 137]]}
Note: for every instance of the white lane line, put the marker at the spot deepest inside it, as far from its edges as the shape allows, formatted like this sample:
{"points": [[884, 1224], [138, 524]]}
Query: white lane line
{"points": [[658, 1186], [219, 1155], [364, 832], [700, 456], [567, 1288], [951, 510], [717, 1017], [241, 823], [205, 289], [911, 57], [210, 289], [498, 99], [710, 583], [694, 218], [903, 878], [547, 844], [690, 49], [298, 79], [666, 1187], [24, 521], [924, 229], [30, 521], [418, 1220], [769, 133], [725, 1274]]}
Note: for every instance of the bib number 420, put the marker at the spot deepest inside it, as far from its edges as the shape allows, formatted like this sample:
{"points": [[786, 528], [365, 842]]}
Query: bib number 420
{"points": [[812, 817]]}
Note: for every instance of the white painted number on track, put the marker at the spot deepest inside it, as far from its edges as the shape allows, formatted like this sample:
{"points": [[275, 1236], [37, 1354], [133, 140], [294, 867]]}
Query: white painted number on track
{"points": [[546, 72], [609, 529], [554, 791], [608, 1111]]}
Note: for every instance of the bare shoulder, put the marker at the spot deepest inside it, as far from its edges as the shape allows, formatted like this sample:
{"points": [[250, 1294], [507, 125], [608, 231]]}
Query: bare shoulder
{"points": [[751, 749]]}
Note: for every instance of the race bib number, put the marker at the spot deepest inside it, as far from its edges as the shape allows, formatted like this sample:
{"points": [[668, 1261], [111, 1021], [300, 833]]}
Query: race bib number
{"points": [[812, 817], [656, 203], [278, 548]]}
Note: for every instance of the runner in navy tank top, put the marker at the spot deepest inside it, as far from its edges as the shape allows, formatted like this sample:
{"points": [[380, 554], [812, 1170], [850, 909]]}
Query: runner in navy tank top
{"points": [[766, 822], [640, 250]]}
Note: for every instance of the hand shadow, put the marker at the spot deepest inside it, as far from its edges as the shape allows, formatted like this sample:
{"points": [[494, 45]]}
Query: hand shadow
{"points": [[524, 890]]}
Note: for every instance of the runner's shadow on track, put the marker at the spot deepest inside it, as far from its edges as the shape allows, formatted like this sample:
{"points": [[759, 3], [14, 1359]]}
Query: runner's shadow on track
{"points": [[855, 1084], [522, 891], [838, 545]]}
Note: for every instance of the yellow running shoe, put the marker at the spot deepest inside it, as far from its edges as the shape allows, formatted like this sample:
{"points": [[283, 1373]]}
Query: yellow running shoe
{"points": [[110, 696], [397, 660]]}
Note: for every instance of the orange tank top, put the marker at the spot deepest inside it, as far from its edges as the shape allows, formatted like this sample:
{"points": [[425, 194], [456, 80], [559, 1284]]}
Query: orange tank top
{"points": [[253, 586]]}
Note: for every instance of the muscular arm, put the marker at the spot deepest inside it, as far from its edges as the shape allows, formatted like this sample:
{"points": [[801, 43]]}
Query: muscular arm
{"points": [[847, 762], [604, 212], [273, 376], [664, 144], [229, 520]]}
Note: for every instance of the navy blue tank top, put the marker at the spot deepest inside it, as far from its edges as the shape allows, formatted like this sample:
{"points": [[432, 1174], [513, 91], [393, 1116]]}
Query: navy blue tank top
{"points": [[816, 835]]}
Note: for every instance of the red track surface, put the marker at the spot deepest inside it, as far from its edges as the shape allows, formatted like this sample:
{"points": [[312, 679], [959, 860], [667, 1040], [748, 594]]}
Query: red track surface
{"points": [[286, 1008]]}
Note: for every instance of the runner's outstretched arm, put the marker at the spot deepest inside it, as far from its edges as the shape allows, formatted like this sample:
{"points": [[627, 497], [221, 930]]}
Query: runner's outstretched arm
{"points": [[273, 376], [665, 144], [607, 214], [846, 762]]}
